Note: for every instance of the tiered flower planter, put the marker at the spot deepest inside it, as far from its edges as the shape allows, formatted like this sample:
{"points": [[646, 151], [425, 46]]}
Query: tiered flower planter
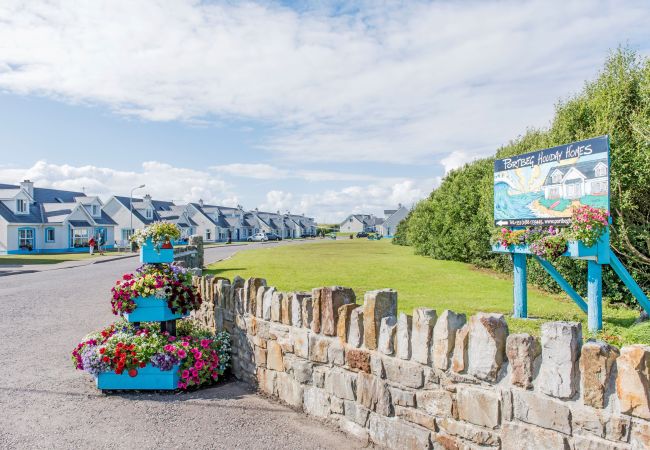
{"points": [[148, 309], [147, 378]]}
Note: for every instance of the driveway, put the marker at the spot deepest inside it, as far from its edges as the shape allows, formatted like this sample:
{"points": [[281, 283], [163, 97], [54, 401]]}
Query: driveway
{"points": [[47, 404]]}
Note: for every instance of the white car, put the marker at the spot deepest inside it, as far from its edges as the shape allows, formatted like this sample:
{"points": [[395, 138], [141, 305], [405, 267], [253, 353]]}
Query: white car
{"points": [[258, 237]]}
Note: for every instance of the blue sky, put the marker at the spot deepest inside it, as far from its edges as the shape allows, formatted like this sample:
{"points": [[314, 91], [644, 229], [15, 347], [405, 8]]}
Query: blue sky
{"points": [[323, 108]]}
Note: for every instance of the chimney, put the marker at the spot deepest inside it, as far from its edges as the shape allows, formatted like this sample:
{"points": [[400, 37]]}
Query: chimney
{"points": [[201, 202], [147, 197], [28, 186], [399, 206]]}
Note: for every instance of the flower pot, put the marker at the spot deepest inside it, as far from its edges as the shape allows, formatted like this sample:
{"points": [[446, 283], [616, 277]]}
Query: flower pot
{"points": [[149, 254], [575, 249], [148, 378], [151, 309]]}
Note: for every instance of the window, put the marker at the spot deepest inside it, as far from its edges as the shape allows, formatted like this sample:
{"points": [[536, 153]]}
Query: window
{"points": [[79, 237], [21, 206], [26, 239], [601, 170], [49, 235], [557, 177], [208, 235], [95, 210], [598, 187], [148, 213], [126, 233]]}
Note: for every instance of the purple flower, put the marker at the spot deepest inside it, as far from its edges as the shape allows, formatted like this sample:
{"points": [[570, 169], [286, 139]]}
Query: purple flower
{"points": [[164, 361], [92, 361]]}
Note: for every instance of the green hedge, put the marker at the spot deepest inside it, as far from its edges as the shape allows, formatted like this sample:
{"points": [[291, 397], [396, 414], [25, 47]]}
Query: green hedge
{"points": [[455, 222]]}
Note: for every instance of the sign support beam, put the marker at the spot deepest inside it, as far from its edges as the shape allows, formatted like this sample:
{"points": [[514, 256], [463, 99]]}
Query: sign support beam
{"points": [[594, 296], [520, 286]]}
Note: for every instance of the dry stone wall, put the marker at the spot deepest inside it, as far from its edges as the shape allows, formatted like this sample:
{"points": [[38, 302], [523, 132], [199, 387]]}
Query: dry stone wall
{"points": [[435, 379]]}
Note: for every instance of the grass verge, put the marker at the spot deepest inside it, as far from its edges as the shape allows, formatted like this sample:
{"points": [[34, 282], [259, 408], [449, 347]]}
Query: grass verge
{"points": [[367, 265]]}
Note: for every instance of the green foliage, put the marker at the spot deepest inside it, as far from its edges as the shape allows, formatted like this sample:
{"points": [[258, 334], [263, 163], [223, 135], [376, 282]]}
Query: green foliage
{"points": [[455, 222]]}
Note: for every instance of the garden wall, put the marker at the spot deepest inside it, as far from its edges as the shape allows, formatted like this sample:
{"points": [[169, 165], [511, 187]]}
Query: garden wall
{"points": [[434, 379]]}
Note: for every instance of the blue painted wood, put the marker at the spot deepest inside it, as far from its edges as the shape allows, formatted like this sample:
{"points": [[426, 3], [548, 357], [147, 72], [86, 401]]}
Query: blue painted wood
{"points": [[150, 255], [151, 309], [520, 290], [575, 249], [148, 378], [625, 276], [564, 284], [595, 296]]}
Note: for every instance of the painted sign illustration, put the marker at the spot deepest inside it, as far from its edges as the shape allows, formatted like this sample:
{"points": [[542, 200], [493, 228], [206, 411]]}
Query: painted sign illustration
{"points": [[543, 187]]}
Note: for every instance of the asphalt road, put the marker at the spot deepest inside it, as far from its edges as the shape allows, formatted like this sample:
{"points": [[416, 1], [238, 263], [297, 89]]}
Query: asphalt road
{"points": [[45, 403]]}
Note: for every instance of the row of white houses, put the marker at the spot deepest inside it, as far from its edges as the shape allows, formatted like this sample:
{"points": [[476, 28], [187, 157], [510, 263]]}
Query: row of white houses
{"points": [[41, 220]]}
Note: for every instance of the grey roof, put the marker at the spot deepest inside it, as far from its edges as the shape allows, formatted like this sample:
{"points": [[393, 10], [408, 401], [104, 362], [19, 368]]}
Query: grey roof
{"points": [[158, 205], [587, 168], [80, 223], [389, 212], [232, 221], [41, 197], [105, 219]]}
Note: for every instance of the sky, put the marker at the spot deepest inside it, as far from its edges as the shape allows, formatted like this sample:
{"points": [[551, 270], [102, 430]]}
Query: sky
{"points": [[320, 107]]}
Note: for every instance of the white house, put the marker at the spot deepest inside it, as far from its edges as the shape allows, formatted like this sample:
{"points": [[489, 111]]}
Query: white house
{"points": [[145, 211], [392, 218], [38, 220], [573, 181], [356, 223]]}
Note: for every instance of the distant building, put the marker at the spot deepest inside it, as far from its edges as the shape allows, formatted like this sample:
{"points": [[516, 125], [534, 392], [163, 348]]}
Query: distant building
{"points": [[386, 226], [392, 218], [144, 212], [38, 220], [356, 223]]}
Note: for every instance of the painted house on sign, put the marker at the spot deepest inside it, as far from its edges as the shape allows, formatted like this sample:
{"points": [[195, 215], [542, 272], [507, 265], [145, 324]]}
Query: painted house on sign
{"points": [[573, 181], [39, 220]]}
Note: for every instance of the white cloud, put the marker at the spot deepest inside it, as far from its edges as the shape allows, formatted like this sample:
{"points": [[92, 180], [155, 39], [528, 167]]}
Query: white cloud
{"points": [[395, 82], [162, 181], [278, 201], [257, 171]]}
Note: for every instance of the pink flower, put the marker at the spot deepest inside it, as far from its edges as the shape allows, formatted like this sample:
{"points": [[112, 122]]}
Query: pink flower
{"points": [[171, 338], [198, 365], [186, 344], [181, 353], [182, 385], [168, 348], [185, 374], [205, 343]]}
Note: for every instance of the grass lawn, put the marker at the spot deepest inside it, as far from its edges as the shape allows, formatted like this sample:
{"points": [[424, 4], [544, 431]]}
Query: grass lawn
{"points": [[367, 265], [51, 258]]}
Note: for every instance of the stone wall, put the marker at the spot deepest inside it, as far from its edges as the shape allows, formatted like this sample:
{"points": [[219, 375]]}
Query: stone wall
{"points": [[434, 379], [190, 256]]}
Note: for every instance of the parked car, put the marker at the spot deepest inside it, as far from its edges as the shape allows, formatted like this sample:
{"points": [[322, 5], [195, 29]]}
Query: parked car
{"points": [[258, 237], [273, 237], [362, 234]]}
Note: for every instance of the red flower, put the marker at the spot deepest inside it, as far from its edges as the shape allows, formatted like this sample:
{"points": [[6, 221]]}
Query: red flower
{"points": [[102, 350], [106, 359], [133, 372]]}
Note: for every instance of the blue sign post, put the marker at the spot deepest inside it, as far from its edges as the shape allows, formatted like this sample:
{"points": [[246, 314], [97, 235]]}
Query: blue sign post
{"points": [[542, 188]]}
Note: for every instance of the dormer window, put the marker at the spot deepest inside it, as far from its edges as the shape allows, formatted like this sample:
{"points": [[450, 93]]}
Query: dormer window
{"points": [[21, 206], [557, 177], [148, 213], [95, 210]]}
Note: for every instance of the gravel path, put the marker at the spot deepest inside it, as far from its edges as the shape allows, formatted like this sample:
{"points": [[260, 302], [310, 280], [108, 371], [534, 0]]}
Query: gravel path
{"points": [[47, 404]]}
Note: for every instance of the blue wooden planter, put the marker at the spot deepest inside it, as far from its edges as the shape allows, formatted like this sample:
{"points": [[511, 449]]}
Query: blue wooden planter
{"points": [[148, 378], [150, 255], [151, 309], [575, 249]]}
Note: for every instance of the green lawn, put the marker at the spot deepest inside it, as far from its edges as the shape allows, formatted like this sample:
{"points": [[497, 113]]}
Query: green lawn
{"points": [[366, 265], [51, 258]]}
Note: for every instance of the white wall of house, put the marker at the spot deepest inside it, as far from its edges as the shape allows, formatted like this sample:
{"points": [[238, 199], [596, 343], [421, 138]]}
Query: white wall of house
{"points": [[351, 225], [389, 227], [121, 215], [3, 236]]}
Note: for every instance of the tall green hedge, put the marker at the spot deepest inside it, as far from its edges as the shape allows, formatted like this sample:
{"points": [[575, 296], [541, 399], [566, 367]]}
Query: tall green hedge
{"points": [[456, 220]]}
